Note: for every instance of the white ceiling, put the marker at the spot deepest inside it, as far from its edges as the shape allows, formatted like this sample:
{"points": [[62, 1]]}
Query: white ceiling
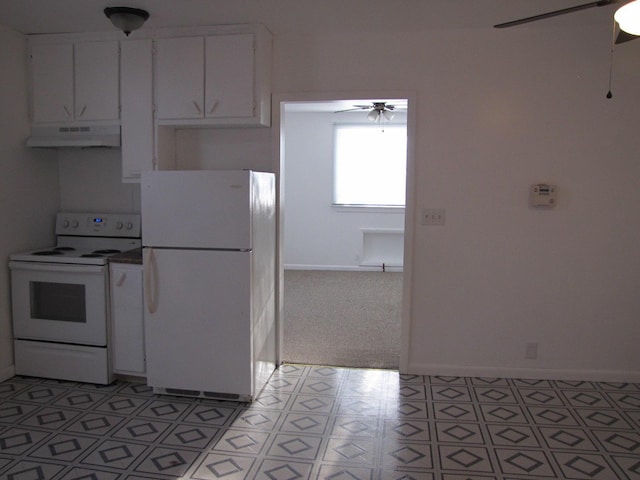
{"points": [[294, 16]]}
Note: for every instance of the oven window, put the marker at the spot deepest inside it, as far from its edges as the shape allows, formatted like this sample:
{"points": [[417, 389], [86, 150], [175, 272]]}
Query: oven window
{"points": [[58, 301]]}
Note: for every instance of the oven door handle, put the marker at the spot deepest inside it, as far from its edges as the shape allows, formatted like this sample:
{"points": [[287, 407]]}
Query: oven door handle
{"points": [[55, 267], [150, 281]]}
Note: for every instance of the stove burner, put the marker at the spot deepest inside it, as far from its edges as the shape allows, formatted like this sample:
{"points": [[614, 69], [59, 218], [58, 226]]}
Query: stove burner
{"points": [[92, 255], [106, 251], [65, 249], [47, 253]]}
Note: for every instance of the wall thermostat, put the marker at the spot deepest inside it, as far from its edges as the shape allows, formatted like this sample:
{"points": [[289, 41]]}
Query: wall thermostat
{"points": [[543, 195]]}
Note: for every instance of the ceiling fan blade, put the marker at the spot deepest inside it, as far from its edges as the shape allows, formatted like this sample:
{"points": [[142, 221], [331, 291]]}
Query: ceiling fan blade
{"points": [[624, 37], [555, 13], [357, 107]]}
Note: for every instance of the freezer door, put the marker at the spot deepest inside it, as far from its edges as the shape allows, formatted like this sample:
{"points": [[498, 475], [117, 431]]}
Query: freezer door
{"points": [[197, 209], [198, 320]]}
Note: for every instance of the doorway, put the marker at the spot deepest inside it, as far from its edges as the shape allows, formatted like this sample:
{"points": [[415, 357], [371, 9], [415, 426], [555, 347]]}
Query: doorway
{"points": [[347, 308]]}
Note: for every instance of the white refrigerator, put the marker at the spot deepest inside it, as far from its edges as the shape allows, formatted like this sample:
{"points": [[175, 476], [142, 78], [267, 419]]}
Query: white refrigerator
{"points": [[209, 242]]}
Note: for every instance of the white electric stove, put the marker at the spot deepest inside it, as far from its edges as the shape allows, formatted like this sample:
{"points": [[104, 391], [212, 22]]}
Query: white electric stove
{"points": [[60, 297], [87, 239]]}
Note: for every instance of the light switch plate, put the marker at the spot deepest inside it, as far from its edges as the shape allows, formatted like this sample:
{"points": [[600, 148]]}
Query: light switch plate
{"points": [[432, 216]]}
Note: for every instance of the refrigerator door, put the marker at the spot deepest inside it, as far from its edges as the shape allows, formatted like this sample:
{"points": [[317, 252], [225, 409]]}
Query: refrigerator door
{"points": [[197, 321], [197, 209]]}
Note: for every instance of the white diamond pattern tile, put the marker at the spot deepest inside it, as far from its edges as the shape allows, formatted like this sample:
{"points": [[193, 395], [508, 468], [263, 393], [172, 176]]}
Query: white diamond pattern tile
{"points": [[302, 423], [50, 418], [533, 463], [407, 455], [12, 413], [64, 447], [317, 422], [574, 439], [190, 436]]}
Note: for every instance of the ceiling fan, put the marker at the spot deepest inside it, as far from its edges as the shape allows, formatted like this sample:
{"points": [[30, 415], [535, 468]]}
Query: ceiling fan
{"points": [[627, 17], [379, 110]]}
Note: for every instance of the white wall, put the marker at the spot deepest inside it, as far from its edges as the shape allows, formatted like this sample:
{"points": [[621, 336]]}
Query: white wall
{"points": [[497, 110], [225, 148], [28, 181], [316, 235], [91, 181]]}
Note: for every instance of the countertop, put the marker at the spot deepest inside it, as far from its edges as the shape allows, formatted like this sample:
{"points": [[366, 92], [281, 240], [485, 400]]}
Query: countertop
{"points": [[130, 256]]}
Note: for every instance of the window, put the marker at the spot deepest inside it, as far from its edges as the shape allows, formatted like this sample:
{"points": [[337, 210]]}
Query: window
{"points": [[370, 165]]}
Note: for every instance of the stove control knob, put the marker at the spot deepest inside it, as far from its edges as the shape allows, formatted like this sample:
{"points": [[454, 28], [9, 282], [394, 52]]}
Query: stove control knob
{"points": [[129, 225], [65, 224], [74, 224], [119, 225]]}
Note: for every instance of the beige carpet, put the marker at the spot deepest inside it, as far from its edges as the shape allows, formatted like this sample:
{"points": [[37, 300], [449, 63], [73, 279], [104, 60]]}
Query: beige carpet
{"points": [[347, 319]]}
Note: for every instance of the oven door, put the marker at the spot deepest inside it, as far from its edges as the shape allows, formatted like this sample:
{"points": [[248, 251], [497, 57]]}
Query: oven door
{"points": [[59, 302]]}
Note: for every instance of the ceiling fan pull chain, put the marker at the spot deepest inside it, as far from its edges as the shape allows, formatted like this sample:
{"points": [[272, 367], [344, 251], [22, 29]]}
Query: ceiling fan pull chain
{"points": [[613, 44]]}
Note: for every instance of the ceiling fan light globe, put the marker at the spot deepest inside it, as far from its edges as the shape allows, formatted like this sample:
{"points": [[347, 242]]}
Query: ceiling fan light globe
{"points": [[373, 115], [628, 17], [388, 115]]}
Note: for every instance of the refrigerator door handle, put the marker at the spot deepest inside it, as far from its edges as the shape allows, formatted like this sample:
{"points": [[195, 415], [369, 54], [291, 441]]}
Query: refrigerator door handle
{"points": [[150, 281]]}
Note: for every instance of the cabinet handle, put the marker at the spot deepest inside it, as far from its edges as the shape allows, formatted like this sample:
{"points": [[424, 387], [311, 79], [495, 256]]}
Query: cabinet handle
{"points": [[150, 280], [214, 105], [121, 279], [195, 104], [82, 111], [67, 111]]}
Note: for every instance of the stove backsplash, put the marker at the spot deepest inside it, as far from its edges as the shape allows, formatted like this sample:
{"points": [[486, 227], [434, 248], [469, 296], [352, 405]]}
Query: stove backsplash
{"points": [[91, 181]]}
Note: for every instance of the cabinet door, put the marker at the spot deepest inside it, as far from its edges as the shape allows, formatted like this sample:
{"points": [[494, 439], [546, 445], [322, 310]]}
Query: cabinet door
{"points": [[137, 108], [229, 76], [180, 77], [52, 82], [96, 77], [127, 333]]}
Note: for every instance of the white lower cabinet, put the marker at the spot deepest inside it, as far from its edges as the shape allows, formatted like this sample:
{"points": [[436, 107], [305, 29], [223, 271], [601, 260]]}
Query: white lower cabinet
{"points": [[127, 326]]}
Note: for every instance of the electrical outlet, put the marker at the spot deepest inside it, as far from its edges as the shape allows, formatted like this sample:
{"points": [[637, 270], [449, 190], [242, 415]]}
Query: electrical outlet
{"points": [[432, 216], [531, 351]]}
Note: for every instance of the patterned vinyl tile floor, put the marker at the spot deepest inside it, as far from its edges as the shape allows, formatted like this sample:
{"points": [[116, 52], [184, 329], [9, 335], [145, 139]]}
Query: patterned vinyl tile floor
{"points": [[314, 422]]}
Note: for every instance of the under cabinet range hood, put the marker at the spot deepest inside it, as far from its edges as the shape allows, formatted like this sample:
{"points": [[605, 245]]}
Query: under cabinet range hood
{"points": [[74, 137]]}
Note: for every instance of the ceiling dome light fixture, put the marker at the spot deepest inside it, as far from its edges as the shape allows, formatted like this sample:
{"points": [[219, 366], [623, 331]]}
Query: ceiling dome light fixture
{"points": [[628, 17], [126, 19]]}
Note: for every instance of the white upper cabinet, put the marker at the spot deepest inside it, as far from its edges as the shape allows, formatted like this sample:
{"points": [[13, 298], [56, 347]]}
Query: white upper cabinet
{"points": [[180, 77], [52, 82], [96, 75], [75, 82], [229, 76], [214, 79]]}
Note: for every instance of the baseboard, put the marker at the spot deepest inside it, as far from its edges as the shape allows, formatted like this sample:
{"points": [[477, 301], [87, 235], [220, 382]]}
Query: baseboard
{"points": [[344, 268], [625, 376], [7, 373]]}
